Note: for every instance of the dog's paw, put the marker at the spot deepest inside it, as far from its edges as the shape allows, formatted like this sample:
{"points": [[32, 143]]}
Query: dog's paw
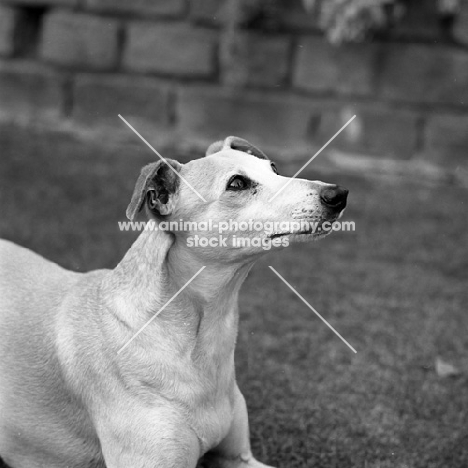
{"points": [[252, 463], [242, 463]]}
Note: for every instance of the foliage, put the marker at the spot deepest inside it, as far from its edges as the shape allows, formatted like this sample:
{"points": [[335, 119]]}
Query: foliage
{"points": [[353, 20]]}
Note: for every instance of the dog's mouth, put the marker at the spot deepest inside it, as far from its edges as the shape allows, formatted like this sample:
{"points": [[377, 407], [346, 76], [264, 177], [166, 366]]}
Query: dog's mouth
{"points": [[310, 232], [299, 233], [315, 230], [289, 233]]}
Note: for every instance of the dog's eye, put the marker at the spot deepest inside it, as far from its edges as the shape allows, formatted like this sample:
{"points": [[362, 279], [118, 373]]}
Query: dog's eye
{"points": [[237, 182], [274, 168]]}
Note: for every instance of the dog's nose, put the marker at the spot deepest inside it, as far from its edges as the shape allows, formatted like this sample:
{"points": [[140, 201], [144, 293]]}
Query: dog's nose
{"points": [[334, 197]]}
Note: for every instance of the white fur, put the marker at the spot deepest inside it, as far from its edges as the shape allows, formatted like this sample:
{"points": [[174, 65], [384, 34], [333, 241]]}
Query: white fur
{"points": [[68, 399]]}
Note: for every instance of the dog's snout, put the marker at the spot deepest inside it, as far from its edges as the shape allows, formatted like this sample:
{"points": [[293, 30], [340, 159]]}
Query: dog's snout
{"points": [[334, 197]]}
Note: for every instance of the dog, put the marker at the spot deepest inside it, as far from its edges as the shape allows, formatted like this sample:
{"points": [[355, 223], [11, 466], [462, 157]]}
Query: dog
{"points": [[79, 389]]}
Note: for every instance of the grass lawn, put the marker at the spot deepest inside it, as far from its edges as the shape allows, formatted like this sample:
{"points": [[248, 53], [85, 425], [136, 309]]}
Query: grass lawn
{"points": [[396, 289]]}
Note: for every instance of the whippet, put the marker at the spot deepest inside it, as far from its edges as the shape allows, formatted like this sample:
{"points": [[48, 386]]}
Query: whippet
{"points": [[75, 393]]}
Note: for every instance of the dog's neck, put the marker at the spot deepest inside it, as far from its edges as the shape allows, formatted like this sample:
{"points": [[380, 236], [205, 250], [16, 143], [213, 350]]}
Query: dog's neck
{"points": [[214, 281], [156, 268]]}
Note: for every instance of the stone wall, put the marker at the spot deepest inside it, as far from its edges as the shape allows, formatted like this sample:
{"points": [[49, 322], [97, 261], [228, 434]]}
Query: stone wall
{"points": [[76, 64]]}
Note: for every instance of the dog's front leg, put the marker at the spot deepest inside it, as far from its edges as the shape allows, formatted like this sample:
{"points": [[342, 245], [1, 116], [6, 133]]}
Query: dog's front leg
{"points": [[234, 449], [134, 437]]}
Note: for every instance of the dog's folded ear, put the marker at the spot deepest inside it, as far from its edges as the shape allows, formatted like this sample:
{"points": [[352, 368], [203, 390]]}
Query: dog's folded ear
{"points": [[238, 144], [214, 147], [157, 185]]}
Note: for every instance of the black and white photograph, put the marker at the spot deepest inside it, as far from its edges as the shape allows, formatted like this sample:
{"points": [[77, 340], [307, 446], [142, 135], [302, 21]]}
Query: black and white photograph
{"points": [[233, 233]]}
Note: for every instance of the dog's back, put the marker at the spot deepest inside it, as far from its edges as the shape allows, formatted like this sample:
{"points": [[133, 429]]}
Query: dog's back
{"points": [[23, 272], [31, 291]]}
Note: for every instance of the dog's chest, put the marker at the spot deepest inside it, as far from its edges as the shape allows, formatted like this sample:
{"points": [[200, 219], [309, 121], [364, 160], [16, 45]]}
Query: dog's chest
{"points": [[196, 375], [213, 381], [212, 419]]}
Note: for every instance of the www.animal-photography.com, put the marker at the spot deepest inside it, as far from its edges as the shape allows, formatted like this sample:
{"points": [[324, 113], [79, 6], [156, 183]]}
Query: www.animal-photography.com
{"points": [[233, 234]]}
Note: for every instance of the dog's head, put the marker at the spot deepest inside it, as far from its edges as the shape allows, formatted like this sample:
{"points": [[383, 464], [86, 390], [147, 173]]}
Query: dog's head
{"points": [[235, 193]]}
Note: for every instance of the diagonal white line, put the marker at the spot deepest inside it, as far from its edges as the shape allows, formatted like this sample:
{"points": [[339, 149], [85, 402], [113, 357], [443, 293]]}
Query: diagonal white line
{"points": [[152, 149], [311, 308], [313, 157], [161, 309]]}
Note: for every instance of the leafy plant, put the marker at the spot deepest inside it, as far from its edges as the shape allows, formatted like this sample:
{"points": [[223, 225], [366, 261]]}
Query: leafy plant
{"points": [[353, 20], [340, 20]]}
